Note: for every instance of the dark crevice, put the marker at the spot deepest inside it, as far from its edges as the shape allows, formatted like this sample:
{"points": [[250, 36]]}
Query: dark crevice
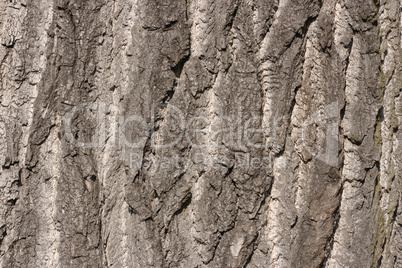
{"points": [[150, 28], [184, 204], [169, 25], [169, 94], [3, 235], [305, 27], [293, 103], [175, 179], [294, 224], [248, 261], [132, 211], [355, 141], [12, 202], [395, 214], [103, 242], [216, 245], [229, 171], [380, 114], [268, 22], [349, 48], [266, 194], [302, 32], [376, 184], [11, 45], [232, 16], [330, 242], [253, 244], [187, 6], [342, 112], [178, 68], [379, 262]]}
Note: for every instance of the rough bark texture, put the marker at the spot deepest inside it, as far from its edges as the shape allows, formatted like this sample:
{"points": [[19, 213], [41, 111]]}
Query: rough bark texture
{"points": [[283, 119]]}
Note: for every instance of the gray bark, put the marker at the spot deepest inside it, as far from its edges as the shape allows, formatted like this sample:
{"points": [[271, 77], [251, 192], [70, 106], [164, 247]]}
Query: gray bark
{"points": [[200, 133]]}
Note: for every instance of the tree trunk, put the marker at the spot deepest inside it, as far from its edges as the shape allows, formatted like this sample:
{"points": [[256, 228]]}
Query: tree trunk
{"points": [[200, 133]]}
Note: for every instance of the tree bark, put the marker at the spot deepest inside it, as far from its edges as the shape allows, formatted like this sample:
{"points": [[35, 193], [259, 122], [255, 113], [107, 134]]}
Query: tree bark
{"points": [[200, 133]]}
